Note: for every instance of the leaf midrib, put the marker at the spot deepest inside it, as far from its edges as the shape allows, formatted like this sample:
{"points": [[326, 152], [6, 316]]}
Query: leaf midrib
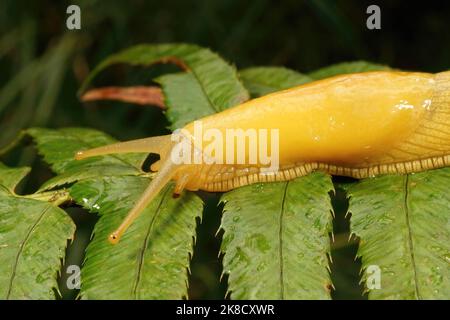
{"points": [[210, 103], [410, 240], [21, 246], [145, 244], [280, 236]]}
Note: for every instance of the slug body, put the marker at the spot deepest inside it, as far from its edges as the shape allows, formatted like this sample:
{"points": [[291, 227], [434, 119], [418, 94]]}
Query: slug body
{"points": [[356, 125]]}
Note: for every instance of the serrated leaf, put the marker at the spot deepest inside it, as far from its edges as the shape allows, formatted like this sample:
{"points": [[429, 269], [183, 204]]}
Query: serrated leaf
{"points": [[346, 67], [217, 78], [33, 238], [403, 223], [264, 80], [184, 98], [276, 239], [59, 147], [151, 260]]}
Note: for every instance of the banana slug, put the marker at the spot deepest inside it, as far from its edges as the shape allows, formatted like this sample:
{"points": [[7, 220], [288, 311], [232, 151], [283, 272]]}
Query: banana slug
{"points": [[357, 125]]}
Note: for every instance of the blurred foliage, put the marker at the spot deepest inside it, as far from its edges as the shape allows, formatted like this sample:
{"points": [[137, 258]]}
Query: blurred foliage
{"points": [[43, 65]]}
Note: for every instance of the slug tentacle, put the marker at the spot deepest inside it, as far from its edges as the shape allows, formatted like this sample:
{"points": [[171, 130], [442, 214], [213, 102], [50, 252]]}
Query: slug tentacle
{"points": [[165, 174], [160, 145]]}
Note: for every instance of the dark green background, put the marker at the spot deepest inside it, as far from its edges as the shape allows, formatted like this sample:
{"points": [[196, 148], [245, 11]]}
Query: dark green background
{"points": [[302, 35]]}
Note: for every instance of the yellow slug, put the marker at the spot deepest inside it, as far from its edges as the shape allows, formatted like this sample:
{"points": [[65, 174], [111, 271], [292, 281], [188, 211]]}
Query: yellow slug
{"points": [[356, 125]]}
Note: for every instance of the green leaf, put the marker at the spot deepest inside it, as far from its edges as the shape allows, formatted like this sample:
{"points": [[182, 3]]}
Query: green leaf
{"points": [[152, 258], [346, 67], [403, 224], [33, 238], [217, 79], [59, 147], [184, 98], [264, 80], [276, 239]]}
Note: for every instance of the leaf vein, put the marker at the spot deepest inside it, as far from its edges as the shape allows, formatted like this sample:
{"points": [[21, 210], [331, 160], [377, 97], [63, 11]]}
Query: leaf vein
{"points": [[410, 240], [146, 241], [22, 244], [280, 236]]}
